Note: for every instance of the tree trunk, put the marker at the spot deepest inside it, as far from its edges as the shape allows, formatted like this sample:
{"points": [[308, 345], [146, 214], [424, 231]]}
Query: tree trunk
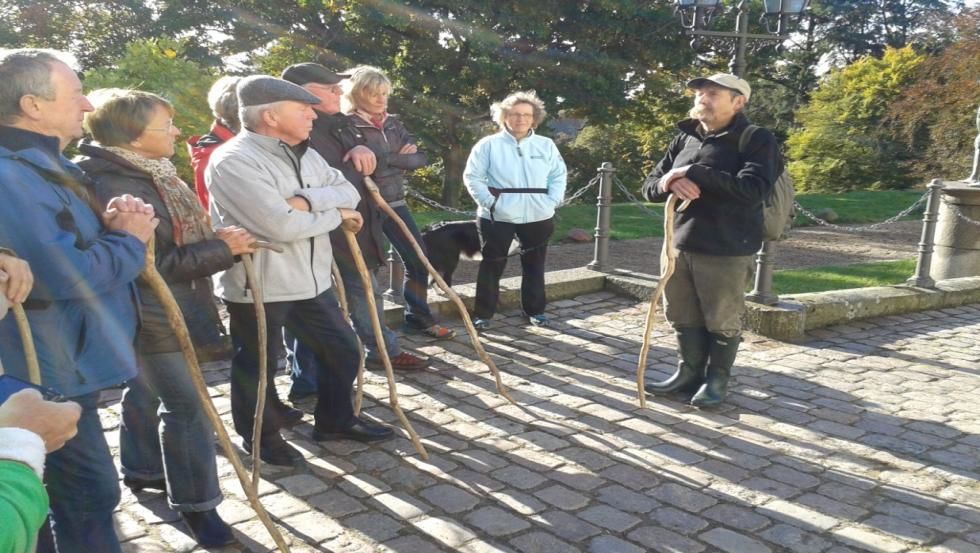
{"points": [[452, 181]]}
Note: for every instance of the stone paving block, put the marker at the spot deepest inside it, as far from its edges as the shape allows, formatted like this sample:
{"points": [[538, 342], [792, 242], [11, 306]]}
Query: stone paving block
{"points": [[626, 500], [450, 498], [312, 527], [411, 544], [541, 542], [479, 460], [791, 538], [684, 497], [496, 522], [737, 517], [562, 497], [402, 505], [607, 517], [519, 477], [655, 538], [336, 503], [519, 502], [566, 526], [302, 485], [376, 526], [786, 475], [612, 544], [733, 542], [677, 520], [921, 517], [831, 507], [898, 527], [577, 477], [475, 482], [797, 515], [445, 530], [865, 539]]}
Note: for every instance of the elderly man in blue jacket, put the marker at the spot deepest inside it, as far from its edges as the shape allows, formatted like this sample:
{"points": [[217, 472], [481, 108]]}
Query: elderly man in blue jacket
{"points": [[83, 308]]}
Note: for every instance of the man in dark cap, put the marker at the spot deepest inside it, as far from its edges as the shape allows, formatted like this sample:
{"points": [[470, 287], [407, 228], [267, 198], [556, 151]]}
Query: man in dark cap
{"points": [[727, 167], [269, 181], [341, 144]]}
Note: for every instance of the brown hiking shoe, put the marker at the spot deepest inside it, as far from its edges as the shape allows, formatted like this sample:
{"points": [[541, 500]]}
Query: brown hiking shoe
{"points": [[404, 361]]}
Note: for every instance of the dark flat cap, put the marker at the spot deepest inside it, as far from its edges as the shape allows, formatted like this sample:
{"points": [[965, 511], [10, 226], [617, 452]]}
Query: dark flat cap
{"points": [[304, 73], [262, 89]]}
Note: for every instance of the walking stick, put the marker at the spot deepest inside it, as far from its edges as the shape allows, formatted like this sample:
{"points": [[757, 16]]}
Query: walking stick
{"points": [[179, 326], [372, 187], [355, 251], [668, 255], [344, 306], [30, 353]]}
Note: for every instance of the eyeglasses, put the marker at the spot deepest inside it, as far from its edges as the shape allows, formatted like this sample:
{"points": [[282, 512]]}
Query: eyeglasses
{"points": [[168, 128], [331, 88], [520, 115]]}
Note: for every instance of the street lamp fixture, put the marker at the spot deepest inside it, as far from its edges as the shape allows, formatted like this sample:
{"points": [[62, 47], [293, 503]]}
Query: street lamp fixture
{"points": [[781, 11]]}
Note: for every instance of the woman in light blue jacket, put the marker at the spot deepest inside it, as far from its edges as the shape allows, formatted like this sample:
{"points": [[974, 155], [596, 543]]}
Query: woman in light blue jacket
{"points": [[517, 179]]}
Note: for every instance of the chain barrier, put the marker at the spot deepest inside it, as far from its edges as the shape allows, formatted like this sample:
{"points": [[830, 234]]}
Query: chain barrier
{"points": [[874, 226], [634, 200], [962, 216]]}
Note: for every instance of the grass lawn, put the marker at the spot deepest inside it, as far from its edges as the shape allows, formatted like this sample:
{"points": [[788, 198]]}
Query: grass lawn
{"points": [[630, 222], [858, 275]]}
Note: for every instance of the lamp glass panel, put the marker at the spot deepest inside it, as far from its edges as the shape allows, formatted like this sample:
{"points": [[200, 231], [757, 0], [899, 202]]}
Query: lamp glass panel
{"points": [[788, 7], [708, 3], [686, 3]]}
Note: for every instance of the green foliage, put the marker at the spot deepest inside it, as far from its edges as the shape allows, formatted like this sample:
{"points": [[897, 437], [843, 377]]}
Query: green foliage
{"points": [[160, 66], [936, 115], [842, 144]]}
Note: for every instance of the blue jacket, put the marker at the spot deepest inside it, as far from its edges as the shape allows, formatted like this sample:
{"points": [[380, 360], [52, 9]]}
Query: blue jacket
{"points": [[500, 161], [83, 309]]}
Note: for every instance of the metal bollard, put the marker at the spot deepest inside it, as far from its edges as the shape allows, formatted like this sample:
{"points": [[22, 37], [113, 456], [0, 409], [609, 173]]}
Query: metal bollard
{"points": [[396, 278], [765, 260], [600, 262], [923, 264]]}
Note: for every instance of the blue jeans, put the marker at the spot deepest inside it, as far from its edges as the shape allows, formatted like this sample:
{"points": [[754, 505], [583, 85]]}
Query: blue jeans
{"points": [[164, 432], [303, 368], [417, 313], [84, 488]]}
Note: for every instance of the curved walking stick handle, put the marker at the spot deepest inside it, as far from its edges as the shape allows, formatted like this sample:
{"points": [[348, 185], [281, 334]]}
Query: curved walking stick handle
{"points": [[179, 326], [446, 289]]}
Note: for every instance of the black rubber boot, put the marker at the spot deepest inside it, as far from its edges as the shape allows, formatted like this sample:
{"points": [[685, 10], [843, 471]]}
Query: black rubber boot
{"points": [[208, 529], [692, 348], [721, 357]]}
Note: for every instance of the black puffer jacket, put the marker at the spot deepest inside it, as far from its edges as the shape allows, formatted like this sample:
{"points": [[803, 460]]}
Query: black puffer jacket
{"points": [[386, 143], [186, 268], [727, 218]]}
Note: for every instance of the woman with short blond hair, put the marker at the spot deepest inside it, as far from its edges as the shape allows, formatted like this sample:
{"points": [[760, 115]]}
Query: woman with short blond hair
{"points": [[517, 179]]}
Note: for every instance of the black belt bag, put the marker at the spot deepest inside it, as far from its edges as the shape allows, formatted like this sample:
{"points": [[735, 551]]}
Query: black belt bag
{"points": [[496, 192]]}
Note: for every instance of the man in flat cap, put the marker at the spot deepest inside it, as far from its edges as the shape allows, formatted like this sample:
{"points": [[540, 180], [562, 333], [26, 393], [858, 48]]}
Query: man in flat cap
{"points": [[269, 181], [336, 138], [727, 167]]}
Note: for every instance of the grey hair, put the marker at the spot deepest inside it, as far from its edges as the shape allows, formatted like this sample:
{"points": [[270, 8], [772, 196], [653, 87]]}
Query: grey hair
{"points": [[26, 71], [364, 79], [498, 111], [251, 116], [223, 100]]}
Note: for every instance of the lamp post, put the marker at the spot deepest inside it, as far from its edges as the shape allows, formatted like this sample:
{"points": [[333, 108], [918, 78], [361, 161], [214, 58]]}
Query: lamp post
{"points": [[696, 16]]}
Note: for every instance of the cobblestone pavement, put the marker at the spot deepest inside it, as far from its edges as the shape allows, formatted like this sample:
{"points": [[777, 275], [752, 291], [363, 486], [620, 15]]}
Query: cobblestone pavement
{"points": [[864, 438]]}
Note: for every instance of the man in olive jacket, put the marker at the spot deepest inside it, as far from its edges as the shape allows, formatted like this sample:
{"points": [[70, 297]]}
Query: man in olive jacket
{"points": [[717, 235]]}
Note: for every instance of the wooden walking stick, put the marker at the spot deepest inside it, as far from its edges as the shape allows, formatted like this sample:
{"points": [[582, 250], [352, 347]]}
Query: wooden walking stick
{"points": [[179, 326], [355, 251], [372, 188], [345, 307], [27, 339], [668, 255]]}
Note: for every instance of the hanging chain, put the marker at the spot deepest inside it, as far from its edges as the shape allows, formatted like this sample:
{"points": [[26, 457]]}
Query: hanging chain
{"points": [[634, 200], [874, 226], [432, 203]]}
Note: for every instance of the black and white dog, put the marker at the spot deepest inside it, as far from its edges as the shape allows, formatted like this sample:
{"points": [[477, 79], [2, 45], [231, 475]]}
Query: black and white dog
{"points": [[449, 241]]}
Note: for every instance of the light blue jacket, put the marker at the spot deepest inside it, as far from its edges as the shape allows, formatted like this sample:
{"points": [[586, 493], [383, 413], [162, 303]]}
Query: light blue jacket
{"points": [[85, 304], [500, 161]]}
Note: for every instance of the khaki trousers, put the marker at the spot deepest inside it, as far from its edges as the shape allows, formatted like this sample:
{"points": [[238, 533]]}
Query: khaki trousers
{"points": [[708, 291]]}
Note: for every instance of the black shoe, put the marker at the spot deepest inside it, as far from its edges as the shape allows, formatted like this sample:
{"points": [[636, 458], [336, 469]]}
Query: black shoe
{"points": [[275, 452], [692, 349], [136, 485], [289, 416], [208, 529], [298, 397], [721, 358], [360, 431]]}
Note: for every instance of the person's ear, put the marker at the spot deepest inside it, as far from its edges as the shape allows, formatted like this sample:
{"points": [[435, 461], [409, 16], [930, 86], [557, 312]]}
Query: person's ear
{"points": [[740, 102], [29, 107]]}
